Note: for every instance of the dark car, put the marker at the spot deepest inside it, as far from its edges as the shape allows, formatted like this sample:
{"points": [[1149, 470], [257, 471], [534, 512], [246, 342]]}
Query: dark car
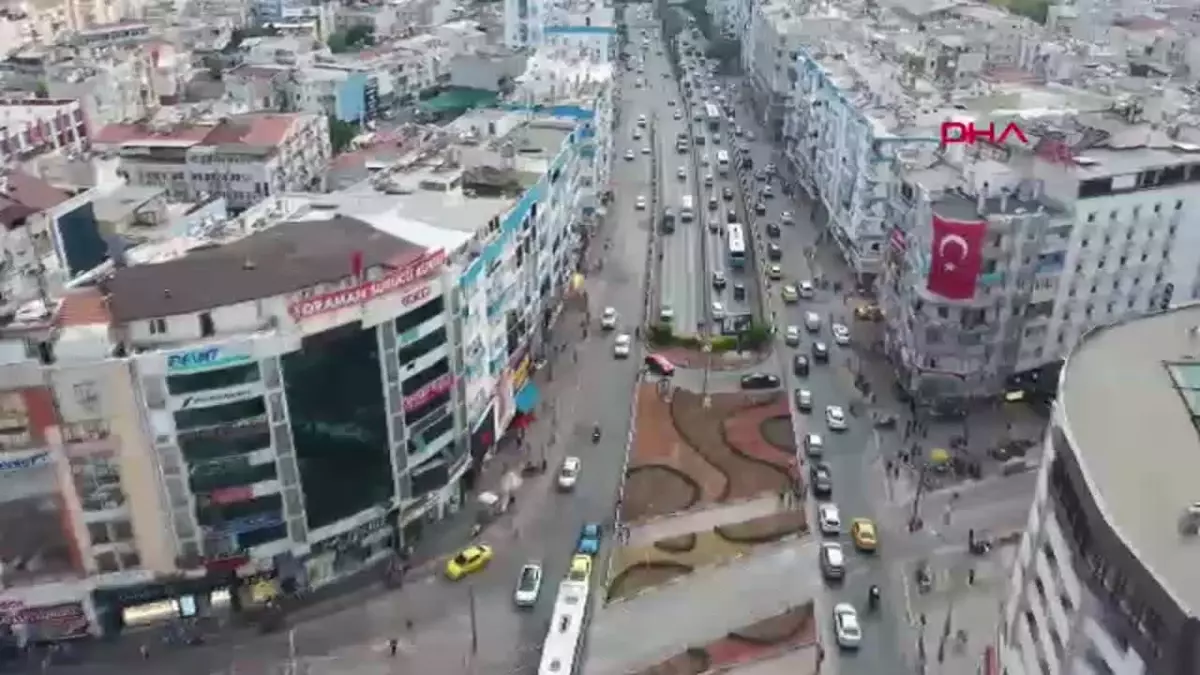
{"points": [[800, 365], [712, 203], [773, 230], [739, 291], [821, 478], [731, 216], [718, 280], [774, 252], [727, 193], [698, 139], [760, 209], [821, 352], [759, 381]]}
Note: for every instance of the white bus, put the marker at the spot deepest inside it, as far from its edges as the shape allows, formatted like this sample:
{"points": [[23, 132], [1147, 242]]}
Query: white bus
{"points": [[713, 114], [561, 647], [723, 161], [737, 245], [687, 208]]}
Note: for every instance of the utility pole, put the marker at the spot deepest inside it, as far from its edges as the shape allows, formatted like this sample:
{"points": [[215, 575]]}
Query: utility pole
{"points": [[915, 517], [706, 401], [474, 623], [292, 668]]}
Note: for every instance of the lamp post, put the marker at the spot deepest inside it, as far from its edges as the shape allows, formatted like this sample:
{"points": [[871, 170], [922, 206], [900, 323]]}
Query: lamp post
{"points": [[707, 349]]}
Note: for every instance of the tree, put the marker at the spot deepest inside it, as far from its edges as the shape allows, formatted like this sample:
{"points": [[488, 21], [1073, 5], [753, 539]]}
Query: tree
{"points": [[41, 91], [341, 134], [1038, 10]]}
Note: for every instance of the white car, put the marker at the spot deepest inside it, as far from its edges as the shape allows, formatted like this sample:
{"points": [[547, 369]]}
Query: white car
{"points": [[629, 155], [807, 290], [814, 445], [829, 519], [678, 115], [846, 626], [622, 346], [641, 121], [666, 314], [812, 321], [640, 204], [788, 293], [791, 336], [835, 418], [646, 150], [637, 134], [568, 474], [804, 400], [718, 310], [608, 319], [529, 585], [681, 173], [841, 334]]}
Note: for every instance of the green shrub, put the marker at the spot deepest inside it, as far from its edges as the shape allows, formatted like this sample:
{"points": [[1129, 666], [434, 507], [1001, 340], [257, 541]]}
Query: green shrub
{"points": [[724, 343], [661, 334]]}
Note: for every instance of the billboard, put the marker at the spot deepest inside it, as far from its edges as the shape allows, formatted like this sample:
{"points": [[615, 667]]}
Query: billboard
{"points": [[37, 541]]}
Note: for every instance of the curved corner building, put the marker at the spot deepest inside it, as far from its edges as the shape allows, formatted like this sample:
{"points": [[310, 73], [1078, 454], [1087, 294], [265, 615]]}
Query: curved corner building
{"points": [[1107, 579]]}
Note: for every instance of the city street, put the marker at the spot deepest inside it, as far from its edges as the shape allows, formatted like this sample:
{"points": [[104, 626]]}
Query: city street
{"points": [[587, 387]]}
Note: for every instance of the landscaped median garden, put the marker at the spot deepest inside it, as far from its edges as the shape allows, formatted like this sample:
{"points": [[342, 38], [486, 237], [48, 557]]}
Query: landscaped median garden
{"points": [[686, 455], [792, 629], [638, 568]]}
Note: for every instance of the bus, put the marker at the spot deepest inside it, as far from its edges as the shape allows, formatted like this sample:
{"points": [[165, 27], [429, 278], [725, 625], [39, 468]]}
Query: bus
{"points": [[687, 208], [561, 647], [737, 246], [713, 114], [723, 162]]}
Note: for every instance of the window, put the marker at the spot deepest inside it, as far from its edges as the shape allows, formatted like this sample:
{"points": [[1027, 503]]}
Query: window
{"points": [[231, 472], [207, 328], [213, 379], [158, 326], [416, 417], [420, 315], [414, 384], [98, 533], [122, 530], [226, 441], [431, 434], [107, 562], [421, 347], [220, 414]]}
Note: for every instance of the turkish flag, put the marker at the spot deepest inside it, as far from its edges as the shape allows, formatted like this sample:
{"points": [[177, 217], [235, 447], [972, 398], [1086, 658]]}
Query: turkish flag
{"points": [[957, 257]]}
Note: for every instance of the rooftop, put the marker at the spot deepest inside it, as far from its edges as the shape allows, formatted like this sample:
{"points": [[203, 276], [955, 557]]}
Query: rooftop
{"points": [[282, 259], [22, 195], [258, 130], [1120, 382]]}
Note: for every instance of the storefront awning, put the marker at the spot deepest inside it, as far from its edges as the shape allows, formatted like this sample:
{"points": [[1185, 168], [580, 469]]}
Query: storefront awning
{"points": [[527, 399]]}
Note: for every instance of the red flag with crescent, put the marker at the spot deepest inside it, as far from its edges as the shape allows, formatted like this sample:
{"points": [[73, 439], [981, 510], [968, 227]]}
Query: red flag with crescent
{"points": [[957, 257]]}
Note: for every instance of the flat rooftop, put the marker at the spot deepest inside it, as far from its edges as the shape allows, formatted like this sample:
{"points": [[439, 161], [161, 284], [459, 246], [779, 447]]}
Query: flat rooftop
{"points": [[285, 258], [1130, 397]]}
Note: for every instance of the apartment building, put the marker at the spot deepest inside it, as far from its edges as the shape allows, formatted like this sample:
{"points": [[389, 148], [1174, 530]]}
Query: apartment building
{"points": [[1102, 582], [773, 34], [200, 373], [1079, 228], [731, 17], [243, 158], [587, 25], [31, 126]]}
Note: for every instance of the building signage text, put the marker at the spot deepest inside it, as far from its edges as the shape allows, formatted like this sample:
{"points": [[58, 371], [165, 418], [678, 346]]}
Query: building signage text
{"points": [[969, 134], [26, 462], [363, 293], [211, 357], [218, 397], [425, 394]]}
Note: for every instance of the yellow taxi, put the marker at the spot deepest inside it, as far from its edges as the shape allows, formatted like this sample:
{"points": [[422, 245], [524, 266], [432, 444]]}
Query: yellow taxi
{"points": [[581, 568], [863, 532], [468, 561]]}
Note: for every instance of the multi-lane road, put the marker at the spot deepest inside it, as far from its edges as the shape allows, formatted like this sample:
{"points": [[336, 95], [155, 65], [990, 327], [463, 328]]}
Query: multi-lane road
{"points": [[696, 249]]}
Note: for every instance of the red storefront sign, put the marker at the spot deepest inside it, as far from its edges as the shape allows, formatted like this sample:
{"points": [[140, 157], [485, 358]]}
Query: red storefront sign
{"points": [[231, 495], [363, 293], [423, 395]]}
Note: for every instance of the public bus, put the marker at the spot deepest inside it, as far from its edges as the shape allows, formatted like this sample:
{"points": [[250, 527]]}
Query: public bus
{"points": [[723, 162], [737, 245], [561, 647], [713, 114]]}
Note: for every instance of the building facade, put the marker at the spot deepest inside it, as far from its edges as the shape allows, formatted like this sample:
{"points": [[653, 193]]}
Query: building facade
{"points": [[32, 127], [1101, 580]]}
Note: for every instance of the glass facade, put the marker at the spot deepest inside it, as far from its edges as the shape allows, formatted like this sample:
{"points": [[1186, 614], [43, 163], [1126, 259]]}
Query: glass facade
{"points": [[335, 398], [213, 379]]}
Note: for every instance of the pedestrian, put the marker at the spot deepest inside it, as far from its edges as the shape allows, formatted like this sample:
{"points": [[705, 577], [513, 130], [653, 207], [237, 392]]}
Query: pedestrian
{"points": [[144, 651], [408, 625], [393, 645], [971, 577]]}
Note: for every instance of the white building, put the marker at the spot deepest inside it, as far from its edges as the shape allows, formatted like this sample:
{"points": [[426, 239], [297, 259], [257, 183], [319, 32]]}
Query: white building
{"points": [[1103, 579], [244, 158], [33, 126], [586, 25]]}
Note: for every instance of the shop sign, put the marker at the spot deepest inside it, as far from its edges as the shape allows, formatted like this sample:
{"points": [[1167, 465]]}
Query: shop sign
{"points": [[219, 397], [203, 359], [258, 521], [361, 294], [353, 537], [64, 620], [28, 461], [231, 495], [427, 393], [238, 429]]}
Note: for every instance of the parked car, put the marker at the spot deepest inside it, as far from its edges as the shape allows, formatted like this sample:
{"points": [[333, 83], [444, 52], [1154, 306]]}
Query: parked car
{"points": [[589, 539], [800, 365], [804, 400], [822, 479]]}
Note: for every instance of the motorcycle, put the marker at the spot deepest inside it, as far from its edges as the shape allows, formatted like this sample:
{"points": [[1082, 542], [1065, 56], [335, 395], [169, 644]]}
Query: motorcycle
{"points": [[596, 434], [873, 597]]}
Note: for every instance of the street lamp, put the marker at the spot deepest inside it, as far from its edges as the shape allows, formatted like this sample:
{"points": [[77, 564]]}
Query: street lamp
{"points": [[707, 349]]}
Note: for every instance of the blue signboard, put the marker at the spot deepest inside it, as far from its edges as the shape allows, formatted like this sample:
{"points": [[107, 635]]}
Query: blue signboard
{"points": [[203, 359]]}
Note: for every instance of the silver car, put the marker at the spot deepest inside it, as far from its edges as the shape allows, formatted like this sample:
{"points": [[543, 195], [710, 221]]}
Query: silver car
{"points": [[529, 585]]}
